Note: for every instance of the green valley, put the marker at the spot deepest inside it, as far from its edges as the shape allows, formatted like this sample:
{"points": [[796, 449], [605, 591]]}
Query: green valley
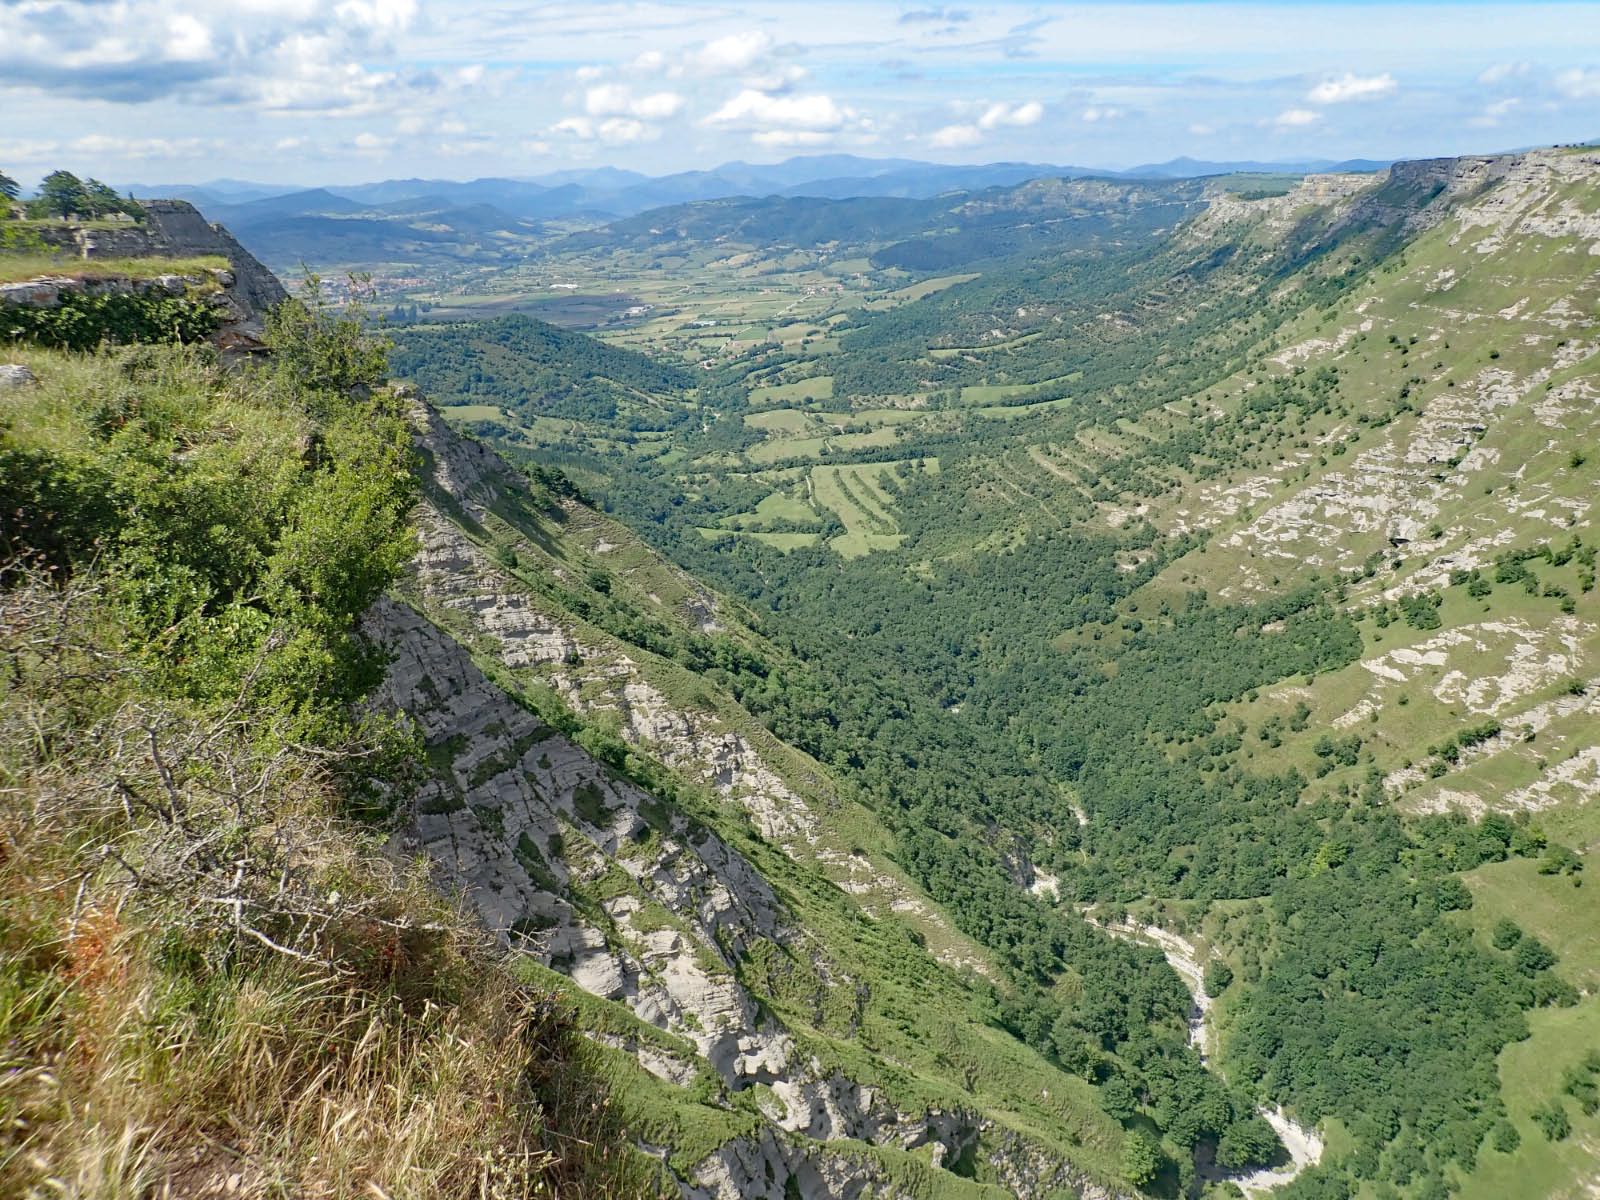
{"points": [[1083, 687], [1236, 581]]}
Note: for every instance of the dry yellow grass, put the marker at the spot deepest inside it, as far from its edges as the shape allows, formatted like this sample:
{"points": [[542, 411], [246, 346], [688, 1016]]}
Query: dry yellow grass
{"points": [[213, 984]]}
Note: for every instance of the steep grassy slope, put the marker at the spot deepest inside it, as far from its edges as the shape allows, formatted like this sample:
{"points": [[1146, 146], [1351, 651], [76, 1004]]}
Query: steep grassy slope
{"points": [[213, 979], [1450, 480]]}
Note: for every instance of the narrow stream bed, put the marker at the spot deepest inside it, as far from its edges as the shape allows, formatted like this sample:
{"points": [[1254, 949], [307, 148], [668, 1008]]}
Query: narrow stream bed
{"points": [[1303, 1145]]}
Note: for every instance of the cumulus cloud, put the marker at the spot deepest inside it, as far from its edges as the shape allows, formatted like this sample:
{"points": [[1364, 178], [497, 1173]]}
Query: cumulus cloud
{"points": [[731, 54], [618, 100], [1352, 87], [372, 144], [1100, 112], [817, 112], [953, 137], [776, 79], [993, 115], [415, 124], [1578, 84], [280, 56], [613, 131], [996, 115], [1292, 118]]}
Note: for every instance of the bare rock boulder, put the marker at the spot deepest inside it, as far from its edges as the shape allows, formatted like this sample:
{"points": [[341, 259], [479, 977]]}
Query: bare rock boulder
{"points": [[15, 375]]}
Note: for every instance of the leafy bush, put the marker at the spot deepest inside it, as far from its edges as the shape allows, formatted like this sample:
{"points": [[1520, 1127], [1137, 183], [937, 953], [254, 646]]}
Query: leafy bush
{"points": [[83, 320]]}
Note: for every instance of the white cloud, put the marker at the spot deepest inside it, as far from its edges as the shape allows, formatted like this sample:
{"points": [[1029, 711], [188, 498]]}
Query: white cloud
{"points": [[731, 54], [1199, 129], [371, 143], [1293, 118], [466, 147], [1352, 87], [619, 131], [1101, 112], [997, 115], [589, 73], [1500, 72], [1494, 113], [616, 100], [386, 16], [658, 106], [955, 136], [1579, 83], [27, 151], [578, 127], [775, 139], [750, 108], [778, 79], [281, 55], [614, 131], [99, 146]]}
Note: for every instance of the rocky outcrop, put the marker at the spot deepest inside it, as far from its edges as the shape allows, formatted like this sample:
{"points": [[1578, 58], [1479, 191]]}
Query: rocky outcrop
{"points": [[772, 1167], [588, 873], [177, 229], [14, 375], [242, 295], [532, 828]]}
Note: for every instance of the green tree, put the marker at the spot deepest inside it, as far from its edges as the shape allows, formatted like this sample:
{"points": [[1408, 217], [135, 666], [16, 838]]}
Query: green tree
{"points": [[1118, 1099], [1250, 1142], [318, 349], [62, 195], [1551, 1118], [1141, 1158], [1507, 933], [1217, 977], [9, 188], [1505, 1138], [100, 199], [1560, 860], [1533, 956]]}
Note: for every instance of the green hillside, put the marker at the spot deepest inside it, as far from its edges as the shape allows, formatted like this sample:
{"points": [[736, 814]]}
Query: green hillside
{"points": [[1240, 585], [532, 369]]}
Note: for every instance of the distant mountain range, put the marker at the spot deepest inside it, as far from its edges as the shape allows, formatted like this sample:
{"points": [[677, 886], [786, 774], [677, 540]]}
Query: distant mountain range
{"points": [[482, 221], [608, 192]]}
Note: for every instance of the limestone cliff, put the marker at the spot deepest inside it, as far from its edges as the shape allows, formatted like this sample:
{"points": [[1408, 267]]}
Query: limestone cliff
{"points": [[641, 899]]}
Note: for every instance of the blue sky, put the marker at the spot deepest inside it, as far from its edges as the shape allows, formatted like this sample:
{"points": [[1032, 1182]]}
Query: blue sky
{"points": [[305, 91]]}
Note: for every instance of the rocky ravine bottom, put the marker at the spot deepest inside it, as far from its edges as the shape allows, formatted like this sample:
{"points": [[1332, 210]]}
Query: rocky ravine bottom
{"points": [[1304, 1146]]}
